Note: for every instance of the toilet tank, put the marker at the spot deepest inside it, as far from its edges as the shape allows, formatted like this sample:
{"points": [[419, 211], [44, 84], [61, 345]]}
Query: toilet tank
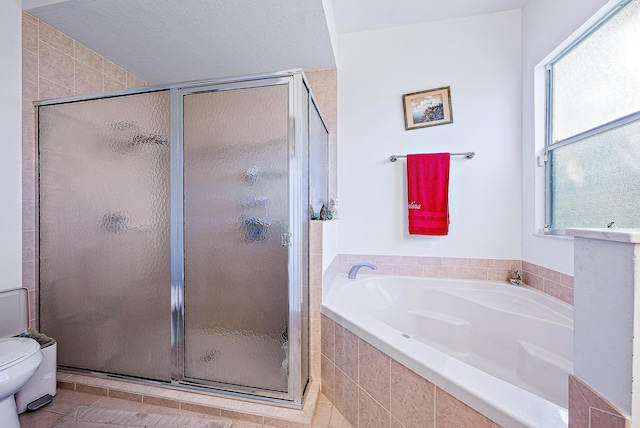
{"points": [[14, 312]]}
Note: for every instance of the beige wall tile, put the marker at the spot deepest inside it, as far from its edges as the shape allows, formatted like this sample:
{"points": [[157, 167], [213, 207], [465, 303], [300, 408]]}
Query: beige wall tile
{"points": [[431, 261], [315, 300], [315, 237], [498, 274], [578, 407], [453, 261], [509, 264], [371, 414], [134, 82], [471, 273], [346, 349], [88, 79], [327, 375], [28, 215], [483, 263], [559, 291], [412, 397], [600, 419], [408, 270], [314, 335], [439, 271], [115, 72], [346, 397], [56, 66], [28, 190], [88, 57], [29, 275], [112, 85], [29, 18], [29, 35], [549, 274], [314, 366], [28, 153], [530, 267], [29, 65], [328, 337], [592, 398], [29, 134], [374, 371], [533, 280], [28, 245], [49, 90], [396, 424], [315, 270], [55, 38], [29, 94], [452, 413]]}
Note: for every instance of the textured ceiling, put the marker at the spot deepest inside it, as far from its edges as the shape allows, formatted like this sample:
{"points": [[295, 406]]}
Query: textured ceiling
{"points": [[362, 15], [167, 41]]}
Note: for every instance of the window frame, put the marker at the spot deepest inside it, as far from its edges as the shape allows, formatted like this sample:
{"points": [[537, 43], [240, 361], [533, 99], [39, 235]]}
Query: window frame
{"points": [[550, 145]]}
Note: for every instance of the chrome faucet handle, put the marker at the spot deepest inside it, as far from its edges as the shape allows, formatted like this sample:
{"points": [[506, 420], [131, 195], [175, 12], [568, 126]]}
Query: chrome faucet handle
{"points": [[353, 272]]}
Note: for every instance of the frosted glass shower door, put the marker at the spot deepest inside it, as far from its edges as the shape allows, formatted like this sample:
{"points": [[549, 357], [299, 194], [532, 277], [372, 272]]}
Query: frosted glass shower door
{"points": [[105, 256], [236, 211]]}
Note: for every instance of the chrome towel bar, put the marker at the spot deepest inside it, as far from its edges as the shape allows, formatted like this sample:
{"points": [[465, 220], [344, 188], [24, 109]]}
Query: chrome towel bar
{"points": [[468, 155]]}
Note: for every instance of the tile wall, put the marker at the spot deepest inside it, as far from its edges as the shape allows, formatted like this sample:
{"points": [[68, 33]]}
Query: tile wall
{"points": [[551, 282], [587, 409], [371, 389], [53, 66]]}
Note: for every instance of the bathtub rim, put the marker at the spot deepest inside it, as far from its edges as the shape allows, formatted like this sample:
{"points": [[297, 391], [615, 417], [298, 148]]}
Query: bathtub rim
{"points": [[500, 401]]}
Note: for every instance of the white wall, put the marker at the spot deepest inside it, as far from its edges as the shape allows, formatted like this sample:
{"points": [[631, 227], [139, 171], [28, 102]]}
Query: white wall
{"points": [[479, 58], [11, 144], [546, 24]]}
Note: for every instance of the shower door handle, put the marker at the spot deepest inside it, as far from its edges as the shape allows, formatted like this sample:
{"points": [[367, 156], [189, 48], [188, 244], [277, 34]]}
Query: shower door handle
{"points": [[286, 239]]}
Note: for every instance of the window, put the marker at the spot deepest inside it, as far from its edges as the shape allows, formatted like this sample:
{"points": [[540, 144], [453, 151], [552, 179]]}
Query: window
{"points": [[593, 126]]}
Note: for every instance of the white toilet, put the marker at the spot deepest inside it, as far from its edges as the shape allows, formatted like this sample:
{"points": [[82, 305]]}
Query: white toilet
{"points": [[19, 357]]}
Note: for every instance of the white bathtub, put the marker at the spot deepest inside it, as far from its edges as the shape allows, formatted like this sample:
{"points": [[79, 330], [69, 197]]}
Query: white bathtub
{"points": [[502, 349]]}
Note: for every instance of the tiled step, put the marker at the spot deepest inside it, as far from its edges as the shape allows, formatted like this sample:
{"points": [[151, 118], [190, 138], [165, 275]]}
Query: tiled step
{"points": [[176, 398]]}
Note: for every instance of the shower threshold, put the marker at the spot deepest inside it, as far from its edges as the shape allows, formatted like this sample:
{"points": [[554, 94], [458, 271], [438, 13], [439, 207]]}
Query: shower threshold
{"points": [[194, 399]]}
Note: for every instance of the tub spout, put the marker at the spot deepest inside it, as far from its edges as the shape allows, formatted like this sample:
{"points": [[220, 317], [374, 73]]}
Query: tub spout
{"points": [[354, 270]]}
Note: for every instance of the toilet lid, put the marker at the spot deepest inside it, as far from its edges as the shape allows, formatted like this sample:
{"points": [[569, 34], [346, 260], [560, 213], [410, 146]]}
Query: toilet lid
{"points": [[13, 349]]}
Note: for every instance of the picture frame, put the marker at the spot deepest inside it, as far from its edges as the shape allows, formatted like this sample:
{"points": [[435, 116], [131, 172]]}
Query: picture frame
{"points": [[427, 108]]}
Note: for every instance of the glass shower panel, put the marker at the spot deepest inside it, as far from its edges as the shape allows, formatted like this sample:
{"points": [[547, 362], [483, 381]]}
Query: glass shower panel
{"points": [[105, 233], [236, 210], [318, 154]]}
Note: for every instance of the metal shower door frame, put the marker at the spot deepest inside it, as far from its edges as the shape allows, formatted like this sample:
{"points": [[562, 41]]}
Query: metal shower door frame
{"points": [[298, 87], [295, 85]]}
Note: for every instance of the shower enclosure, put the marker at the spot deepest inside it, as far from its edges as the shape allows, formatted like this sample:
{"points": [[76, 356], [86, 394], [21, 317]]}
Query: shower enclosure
{"points": [[173, 232]]}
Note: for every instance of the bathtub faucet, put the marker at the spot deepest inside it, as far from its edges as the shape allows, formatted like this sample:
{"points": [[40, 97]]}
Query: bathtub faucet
{"points": [[354, 270]]}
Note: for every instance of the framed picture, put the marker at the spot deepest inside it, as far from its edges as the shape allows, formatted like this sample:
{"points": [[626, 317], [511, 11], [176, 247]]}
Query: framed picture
{"points": [[427, 108]]}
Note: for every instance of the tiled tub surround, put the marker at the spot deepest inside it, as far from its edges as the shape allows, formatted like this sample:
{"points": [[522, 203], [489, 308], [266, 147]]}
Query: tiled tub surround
{"points": [[556, 284], [374, 390], [377, 315], [587, 409]]}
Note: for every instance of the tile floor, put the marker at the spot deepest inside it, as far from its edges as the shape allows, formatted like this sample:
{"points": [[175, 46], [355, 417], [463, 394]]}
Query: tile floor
{"points": [[326, 416]]}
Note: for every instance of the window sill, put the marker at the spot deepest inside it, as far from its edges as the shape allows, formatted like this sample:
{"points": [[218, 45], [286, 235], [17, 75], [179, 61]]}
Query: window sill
{"points": [[561, 237]]}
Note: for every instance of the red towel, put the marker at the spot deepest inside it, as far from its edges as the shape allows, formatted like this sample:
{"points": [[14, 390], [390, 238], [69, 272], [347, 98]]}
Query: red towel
{"points": [[428, 193]]}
